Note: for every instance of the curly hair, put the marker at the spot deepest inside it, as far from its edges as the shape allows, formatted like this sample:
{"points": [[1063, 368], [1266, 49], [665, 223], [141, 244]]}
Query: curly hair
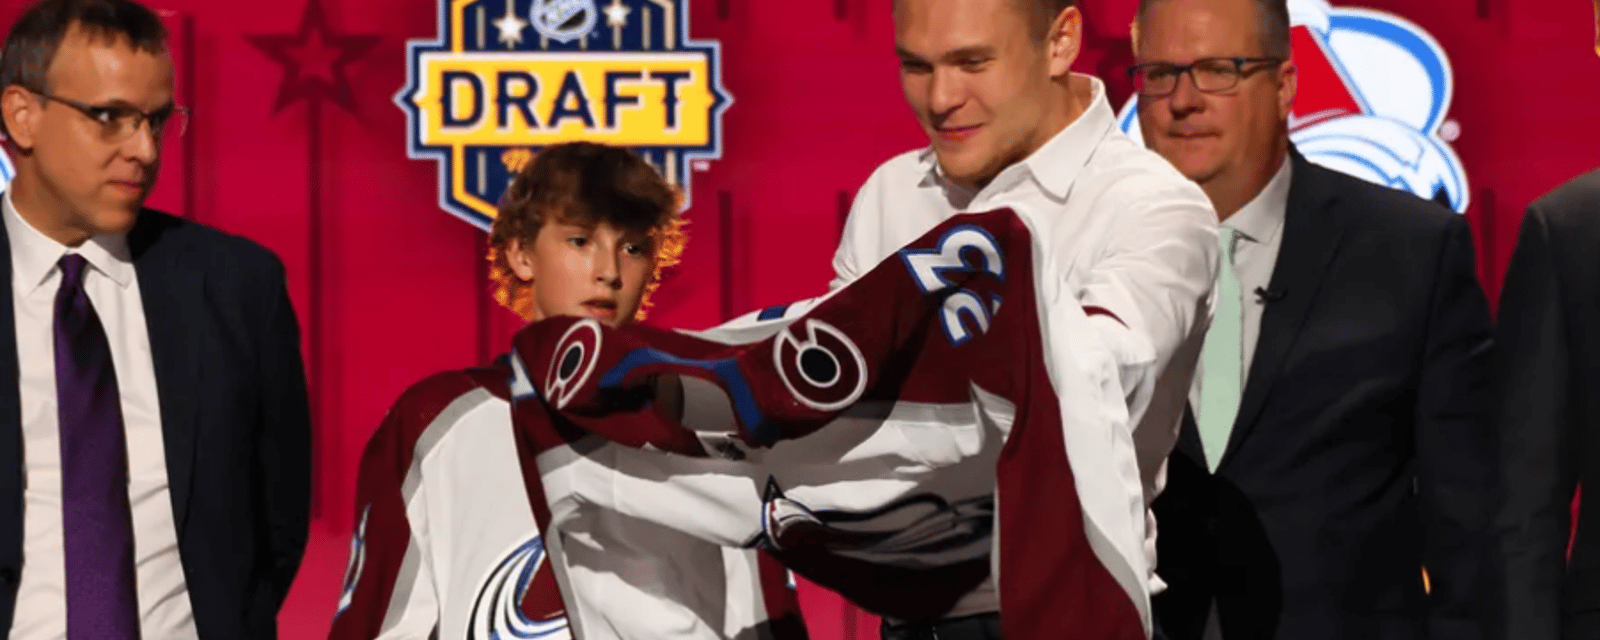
{"points": [[584, 183]]}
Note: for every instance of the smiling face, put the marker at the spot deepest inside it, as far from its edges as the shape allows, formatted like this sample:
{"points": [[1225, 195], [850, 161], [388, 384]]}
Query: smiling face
{"points": [[980, 79], [78, 176]]}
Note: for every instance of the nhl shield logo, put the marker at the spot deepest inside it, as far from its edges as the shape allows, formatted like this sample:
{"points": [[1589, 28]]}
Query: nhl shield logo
{"points": [[1373, 95], [507, 78], [551, 17]]}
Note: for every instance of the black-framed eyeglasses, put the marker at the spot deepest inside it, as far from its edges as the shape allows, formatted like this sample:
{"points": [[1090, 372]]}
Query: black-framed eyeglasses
{"points": [[1211, 75], [119, 121]]}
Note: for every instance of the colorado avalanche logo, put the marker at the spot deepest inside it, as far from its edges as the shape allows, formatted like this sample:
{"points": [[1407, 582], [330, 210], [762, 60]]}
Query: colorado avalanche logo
{"points": [[1373, 94], [575, 356], [826, 371], [503, 609]]}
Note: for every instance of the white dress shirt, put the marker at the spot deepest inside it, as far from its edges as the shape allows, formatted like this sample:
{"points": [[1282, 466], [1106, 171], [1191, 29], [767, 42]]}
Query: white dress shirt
{"points": [[1260, 233], [113, 289], [1132, 236]]}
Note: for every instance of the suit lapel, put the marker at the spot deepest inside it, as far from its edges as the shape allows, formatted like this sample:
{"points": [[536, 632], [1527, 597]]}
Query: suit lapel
{"points": [[1311, 236], [172, 297], [10, 419], [1189, 443]]}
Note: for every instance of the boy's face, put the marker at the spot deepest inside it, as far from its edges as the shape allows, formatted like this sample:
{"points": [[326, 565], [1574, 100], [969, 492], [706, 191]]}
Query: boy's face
{"points": [[587, 271]]}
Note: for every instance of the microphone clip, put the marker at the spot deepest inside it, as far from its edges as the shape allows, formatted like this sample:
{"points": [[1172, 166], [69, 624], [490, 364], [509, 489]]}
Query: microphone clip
{"points": [[1268, 296]]}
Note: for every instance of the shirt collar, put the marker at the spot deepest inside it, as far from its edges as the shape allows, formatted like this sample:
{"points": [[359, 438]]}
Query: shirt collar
{"points": [[1262, 218], [1054, 166], [34, 254]]}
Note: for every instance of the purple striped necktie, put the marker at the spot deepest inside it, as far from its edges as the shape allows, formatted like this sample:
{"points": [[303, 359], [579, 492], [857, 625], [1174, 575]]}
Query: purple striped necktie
{"points": [[96, 519]]}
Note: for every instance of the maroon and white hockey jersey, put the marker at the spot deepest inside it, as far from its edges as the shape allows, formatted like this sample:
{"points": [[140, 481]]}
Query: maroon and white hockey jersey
{"points": [[447, 545], [946, 415]]}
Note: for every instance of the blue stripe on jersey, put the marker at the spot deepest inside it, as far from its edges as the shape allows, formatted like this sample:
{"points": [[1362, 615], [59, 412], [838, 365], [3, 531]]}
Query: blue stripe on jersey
{"points": [[772, 313], [726, 370]]}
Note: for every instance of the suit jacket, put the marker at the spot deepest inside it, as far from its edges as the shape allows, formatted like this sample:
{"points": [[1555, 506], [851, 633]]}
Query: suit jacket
{"points": [[1363, 443], [1549, 309], [234, 419]]}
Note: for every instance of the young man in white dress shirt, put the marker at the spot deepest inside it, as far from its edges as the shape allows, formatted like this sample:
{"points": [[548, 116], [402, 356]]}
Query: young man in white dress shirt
{"points": [[990, 81]]}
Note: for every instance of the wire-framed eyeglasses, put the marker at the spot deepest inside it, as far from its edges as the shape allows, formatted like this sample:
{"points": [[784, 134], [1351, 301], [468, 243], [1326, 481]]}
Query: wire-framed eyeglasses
{"points": [[119, 121]]}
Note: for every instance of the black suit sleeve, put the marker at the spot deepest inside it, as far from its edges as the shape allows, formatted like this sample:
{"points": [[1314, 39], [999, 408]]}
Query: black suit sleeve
{"points": [[283, 452], [1538, 476], [1455, 441]]}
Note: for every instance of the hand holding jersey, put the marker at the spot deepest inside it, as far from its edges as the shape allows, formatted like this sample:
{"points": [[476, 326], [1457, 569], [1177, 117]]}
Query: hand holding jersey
{"points": [[876, 438]]}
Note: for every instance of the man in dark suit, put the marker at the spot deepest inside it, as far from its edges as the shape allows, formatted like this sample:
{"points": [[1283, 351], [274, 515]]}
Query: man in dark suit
{"points": [[1549, 308], [1340, 435], [154, 430], [1550, 353]]}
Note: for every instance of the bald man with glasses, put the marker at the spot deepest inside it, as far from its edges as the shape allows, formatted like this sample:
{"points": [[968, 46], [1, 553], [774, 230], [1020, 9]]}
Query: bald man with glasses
{"points": [[1340, 431]]}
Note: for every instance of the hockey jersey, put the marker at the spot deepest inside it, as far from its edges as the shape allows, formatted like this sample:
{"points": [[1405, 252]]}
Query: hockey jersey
{"points": [[947, 415], [446, 546]]}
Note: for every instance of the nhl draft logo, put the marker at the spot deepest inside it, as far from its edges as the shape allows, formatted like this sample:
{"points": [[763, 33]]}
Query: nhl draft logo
{"points": [[519, 598], [507, 78], [6, 171], [1374, 91], [551, 16]]}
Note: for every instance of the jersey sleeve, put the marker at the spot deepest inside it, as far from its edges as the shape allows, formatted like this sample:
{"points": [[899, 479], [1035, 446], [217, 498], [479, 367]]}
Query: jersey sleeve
{"points": [[1148, 301], [389, 591]]}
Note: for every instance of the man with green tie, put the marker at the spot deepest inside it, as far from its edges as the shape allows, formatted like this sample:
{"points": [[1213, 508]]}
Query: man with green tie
{"points": [[1340, 436]]}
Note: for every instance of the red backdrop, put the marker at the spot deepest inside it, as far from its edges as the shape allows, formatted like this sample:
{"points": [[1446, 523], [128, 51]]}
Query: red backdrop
{"points": [[390, 288]]}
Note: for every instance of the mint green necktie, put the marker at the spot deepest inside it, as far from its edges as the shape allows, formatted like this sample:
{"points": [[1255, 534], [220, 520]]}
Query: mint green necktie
{"points": [[1222, 358]]}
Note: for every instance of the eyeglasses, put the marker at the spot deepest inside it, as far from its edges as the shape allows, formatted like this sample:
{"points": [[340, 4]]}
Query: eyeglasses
{"points": [[1211, 75], [118, 121]]}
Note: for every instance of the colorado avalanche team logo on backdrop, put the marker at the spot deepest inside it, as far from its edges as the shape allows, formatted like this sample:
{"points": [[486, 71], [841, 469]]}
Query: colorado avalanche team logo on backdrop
{"points": [[1374, 91], [6, 172]]}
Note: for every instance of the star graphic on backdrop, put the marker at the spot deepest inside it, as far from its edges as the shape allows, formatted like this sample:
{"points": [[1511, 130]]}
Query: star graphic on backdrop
{"points": [[617, 14], [313, 59], [510, 27]]}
